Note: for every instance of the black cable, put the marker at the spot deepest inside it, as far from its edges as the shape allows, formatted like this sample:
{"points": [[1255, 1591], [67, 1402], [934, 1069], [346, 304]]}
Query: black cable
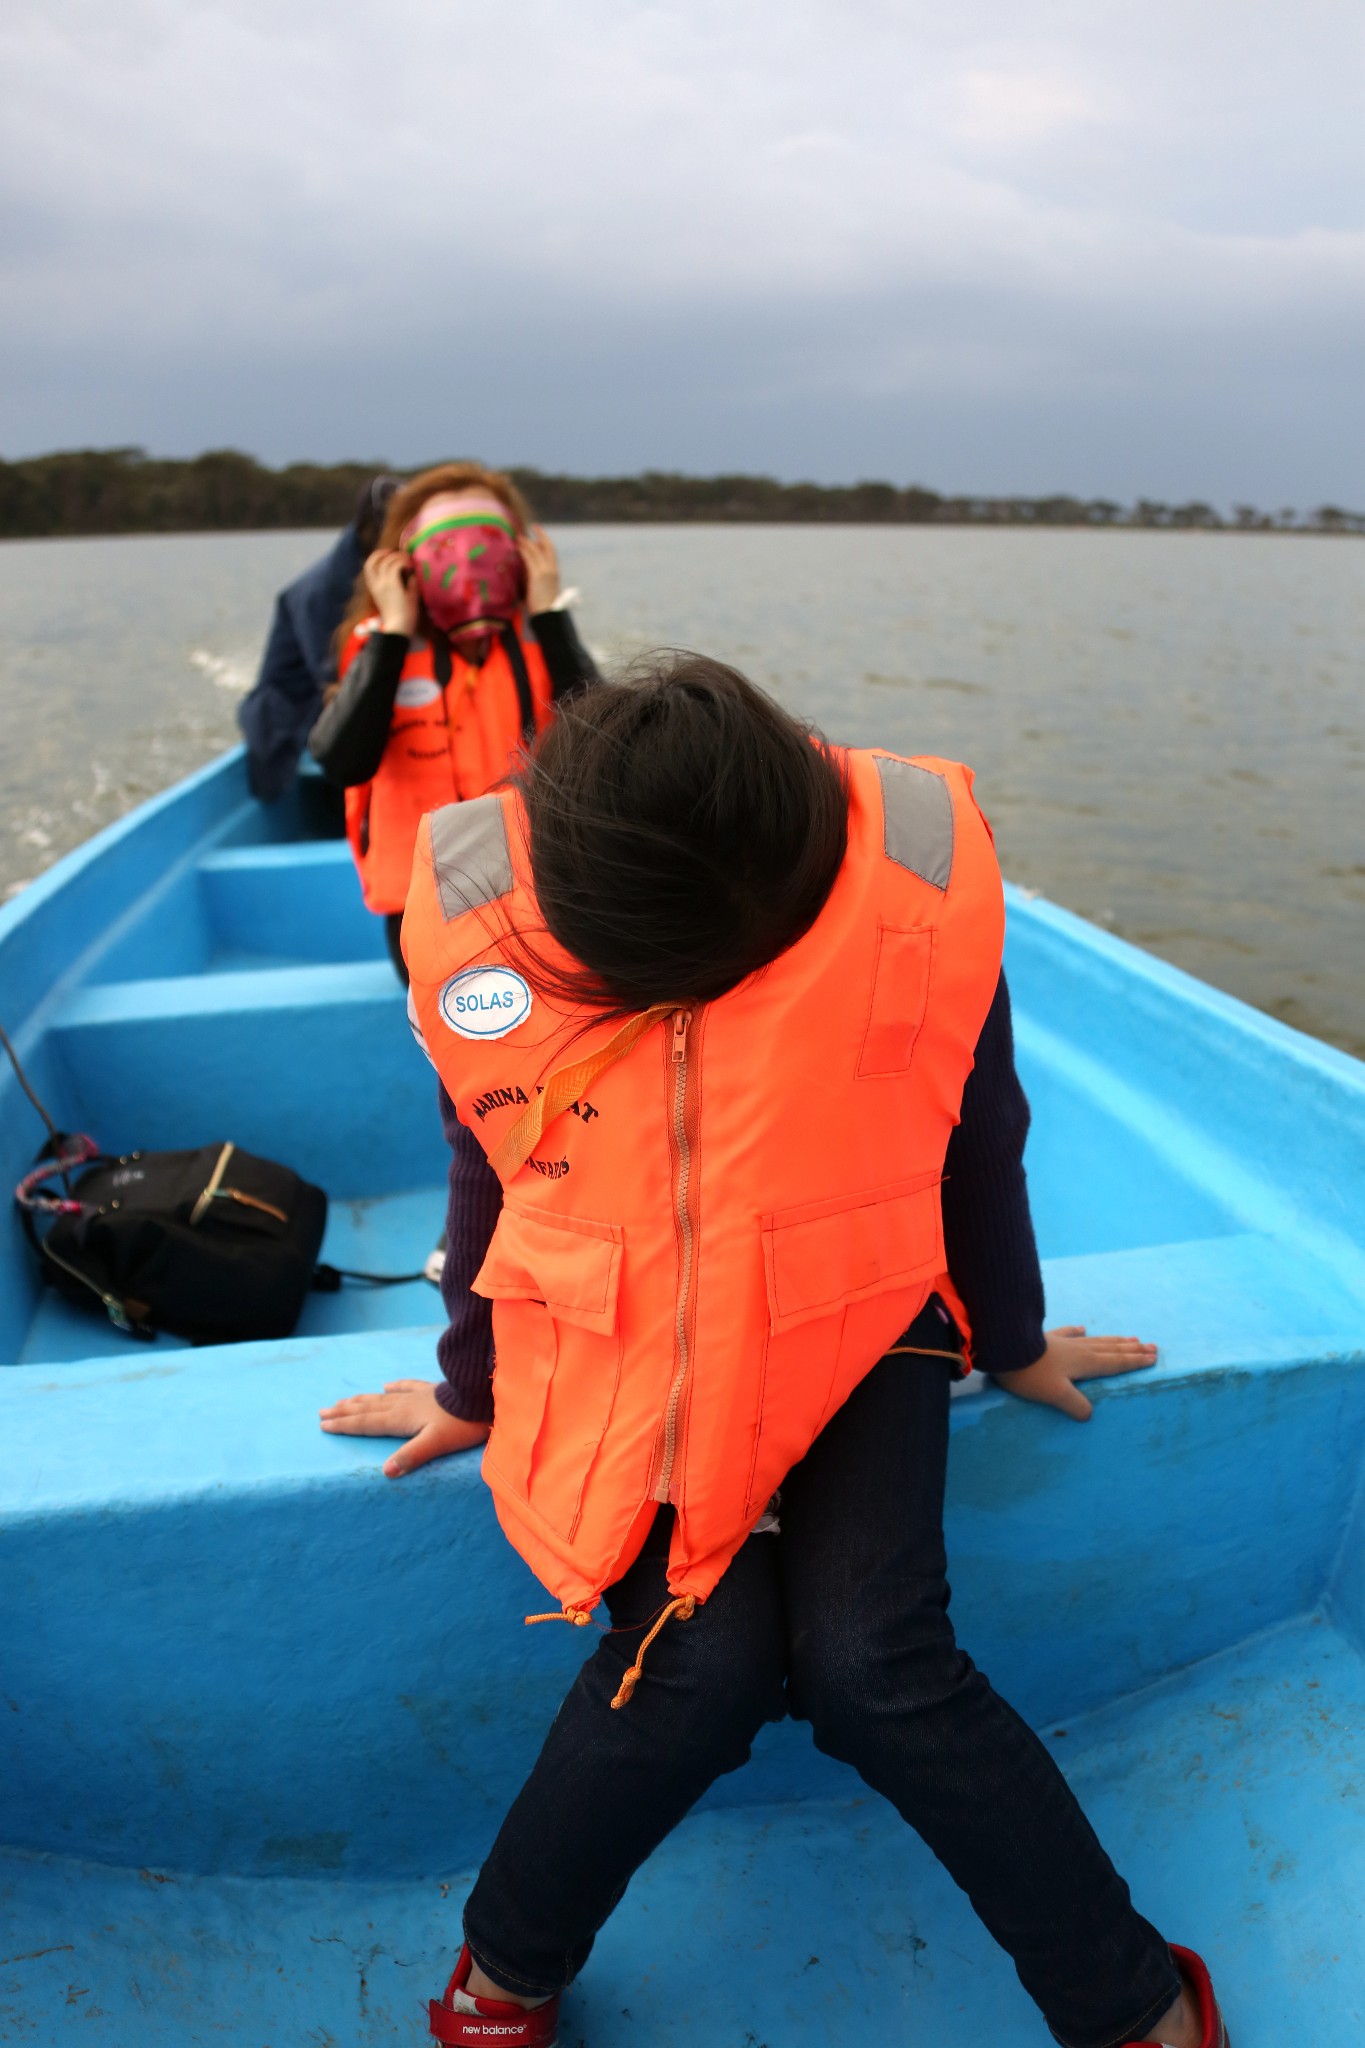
{"points": [[328, 1279], [24, 1083]]}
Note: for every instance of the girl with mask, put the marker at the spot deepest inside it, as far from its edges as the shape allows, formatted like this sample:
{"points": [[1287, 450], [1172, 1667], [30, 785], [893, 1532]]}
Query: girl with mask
{"points": [[454, 651]]}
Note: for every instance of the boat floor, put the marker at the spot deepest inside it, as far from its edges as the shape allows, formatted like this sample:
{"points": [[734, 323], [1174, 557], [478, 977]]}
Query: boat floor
{"points": [[1230, 1795], [385, 1234]]}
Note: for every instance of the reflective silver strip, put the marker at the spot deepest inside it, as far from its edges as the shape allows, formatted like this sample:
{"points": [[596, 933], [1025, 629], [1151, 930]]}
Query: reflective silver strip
{"points": [[470, 857], [918, 807], [415, 1024]]}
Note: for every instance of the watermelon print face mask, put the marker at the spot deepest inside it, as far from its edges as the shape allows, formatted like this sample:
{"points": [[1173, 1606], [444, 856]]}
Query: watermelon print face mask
{"points": [[469, 568]]}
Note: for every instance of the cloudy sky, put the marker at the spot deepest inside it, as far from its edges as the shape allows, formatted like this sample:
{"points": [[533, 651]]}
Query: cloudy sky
{"points": [[1109, 246]]}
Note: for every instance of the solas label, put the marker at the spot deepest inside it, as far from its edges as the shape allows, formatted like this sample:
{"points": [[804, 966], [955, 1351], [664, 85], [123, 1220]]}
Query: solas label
{"points": [[485, 1002], [415, 692]]}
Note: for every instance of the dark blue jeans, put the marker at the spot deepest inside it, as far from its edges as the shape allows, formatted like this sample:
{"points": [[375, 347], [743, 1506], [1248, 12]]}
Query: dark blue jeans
{"points": [[841, 1621]]}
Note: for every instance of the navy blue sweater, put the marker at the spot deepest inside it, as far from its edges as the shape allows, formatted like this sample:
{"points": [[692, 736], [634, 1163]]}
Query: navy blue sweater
{"points": [[278, 715], [987, 1229]]}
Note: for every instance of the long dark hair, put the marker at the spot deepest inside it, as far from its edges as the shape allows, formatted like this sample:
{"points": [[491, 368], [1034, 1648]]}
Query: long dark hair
{"points": [[684, 830]]}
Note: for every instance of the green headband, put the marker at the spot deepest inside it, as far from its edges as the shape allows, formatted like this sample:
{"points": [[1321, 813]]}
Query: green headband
{"points": [[460, 519]]}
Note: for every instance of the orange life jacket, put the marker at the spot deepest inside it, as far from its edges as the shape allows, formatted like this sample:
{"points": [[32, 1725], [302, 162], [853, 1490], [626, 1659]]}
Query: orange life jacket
{"points": [[444, 746], [728, 1225]]}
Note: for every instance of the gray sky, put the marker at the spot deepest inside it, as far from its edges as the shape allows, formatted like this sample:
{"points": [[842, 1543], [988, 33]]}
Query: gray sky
{"points": [[1112, 246]]}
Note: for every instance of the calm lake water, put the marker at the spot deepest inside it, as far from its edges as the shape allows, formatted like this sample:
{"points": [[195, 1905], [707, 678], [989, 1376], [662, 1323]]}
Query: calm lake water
{"points": [[1168, 729]]}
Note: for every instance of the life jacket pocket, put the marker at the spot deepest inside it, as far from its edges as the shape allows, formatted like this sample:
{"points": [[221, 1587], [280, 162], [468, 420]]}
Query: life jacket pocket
{"points": [[900, 997], [843, 1279], [554, 1282], [821, 1257]]}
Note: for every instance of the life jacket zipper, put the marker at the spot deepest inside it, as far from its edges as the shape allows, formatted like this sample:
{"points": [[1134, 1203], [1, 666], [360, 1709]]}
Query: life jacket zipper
{"points": [[682, 1148]]}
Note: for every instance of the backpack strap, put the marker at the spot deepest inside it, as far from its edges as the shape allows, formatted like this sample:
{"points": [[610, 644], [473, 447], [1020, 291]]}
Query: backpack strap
{"points": [[60, 1156]]}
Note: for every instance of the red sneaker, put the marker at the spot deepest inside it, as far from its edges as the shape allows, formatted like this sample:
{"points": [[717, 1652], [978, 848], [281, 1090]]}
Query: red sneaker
{"points": [[469, 2022], [1213, 2033]]}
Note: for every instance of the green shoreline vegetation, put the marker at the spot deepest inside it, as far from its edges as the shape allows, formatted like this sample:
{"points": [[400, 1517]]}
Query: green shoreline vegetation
{"points": [[124, 490]]}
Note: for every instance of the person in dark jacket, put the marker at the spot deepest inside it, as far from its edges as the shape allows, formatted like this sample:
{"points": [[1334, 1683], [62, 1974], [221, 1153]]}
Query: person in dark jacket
{"points": [[299, 661]]}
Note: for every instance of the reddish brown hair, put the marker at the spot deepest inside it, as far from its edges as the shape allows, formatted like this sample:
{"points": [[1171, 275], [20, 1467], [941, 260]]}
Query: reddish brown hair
{"points": [[406, 502]]}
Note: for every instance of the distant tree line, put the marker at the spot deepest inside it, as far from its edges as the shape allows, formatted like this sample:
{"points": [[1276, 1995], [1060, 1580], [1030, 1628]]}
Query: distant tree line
{"points": [[124, 490]]}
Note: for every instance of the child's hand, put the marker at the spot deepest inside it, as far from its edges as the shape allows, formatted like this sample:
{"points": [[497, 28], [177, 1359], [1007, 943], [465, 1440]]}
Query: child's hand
{"points": [[1072, 1356], [392, 583], [405, 1408], [542, 570]]}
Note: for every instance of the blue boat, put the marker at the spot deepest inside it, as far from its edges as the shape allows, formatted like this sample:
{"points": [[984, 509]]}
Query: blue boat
{"points": [[261, 1708]]}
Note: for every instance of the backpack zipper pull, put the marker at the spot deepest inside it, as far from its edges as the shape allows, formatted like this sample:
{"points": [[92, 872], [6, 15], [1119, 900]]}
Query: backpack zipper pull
{"points": [[249, 1202]]}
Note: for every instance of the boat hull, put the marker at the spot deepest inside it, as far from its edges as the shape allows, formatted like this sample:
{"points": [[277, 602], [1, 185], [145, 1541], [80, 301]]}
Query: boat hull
{"points": [[263, 1708]]}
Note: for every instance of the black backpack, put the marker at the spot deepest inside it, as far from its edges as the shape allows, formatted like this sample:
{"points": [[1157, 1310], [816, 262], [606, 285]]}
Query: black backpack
{"points": [[213, 1244]]}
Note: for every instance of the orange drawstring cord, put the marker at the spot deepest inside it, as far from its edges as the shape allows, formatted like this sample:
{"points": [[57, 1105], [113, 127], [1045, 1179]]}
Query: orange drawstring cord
{"points": [[686, 1607], [957, 1358]]}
